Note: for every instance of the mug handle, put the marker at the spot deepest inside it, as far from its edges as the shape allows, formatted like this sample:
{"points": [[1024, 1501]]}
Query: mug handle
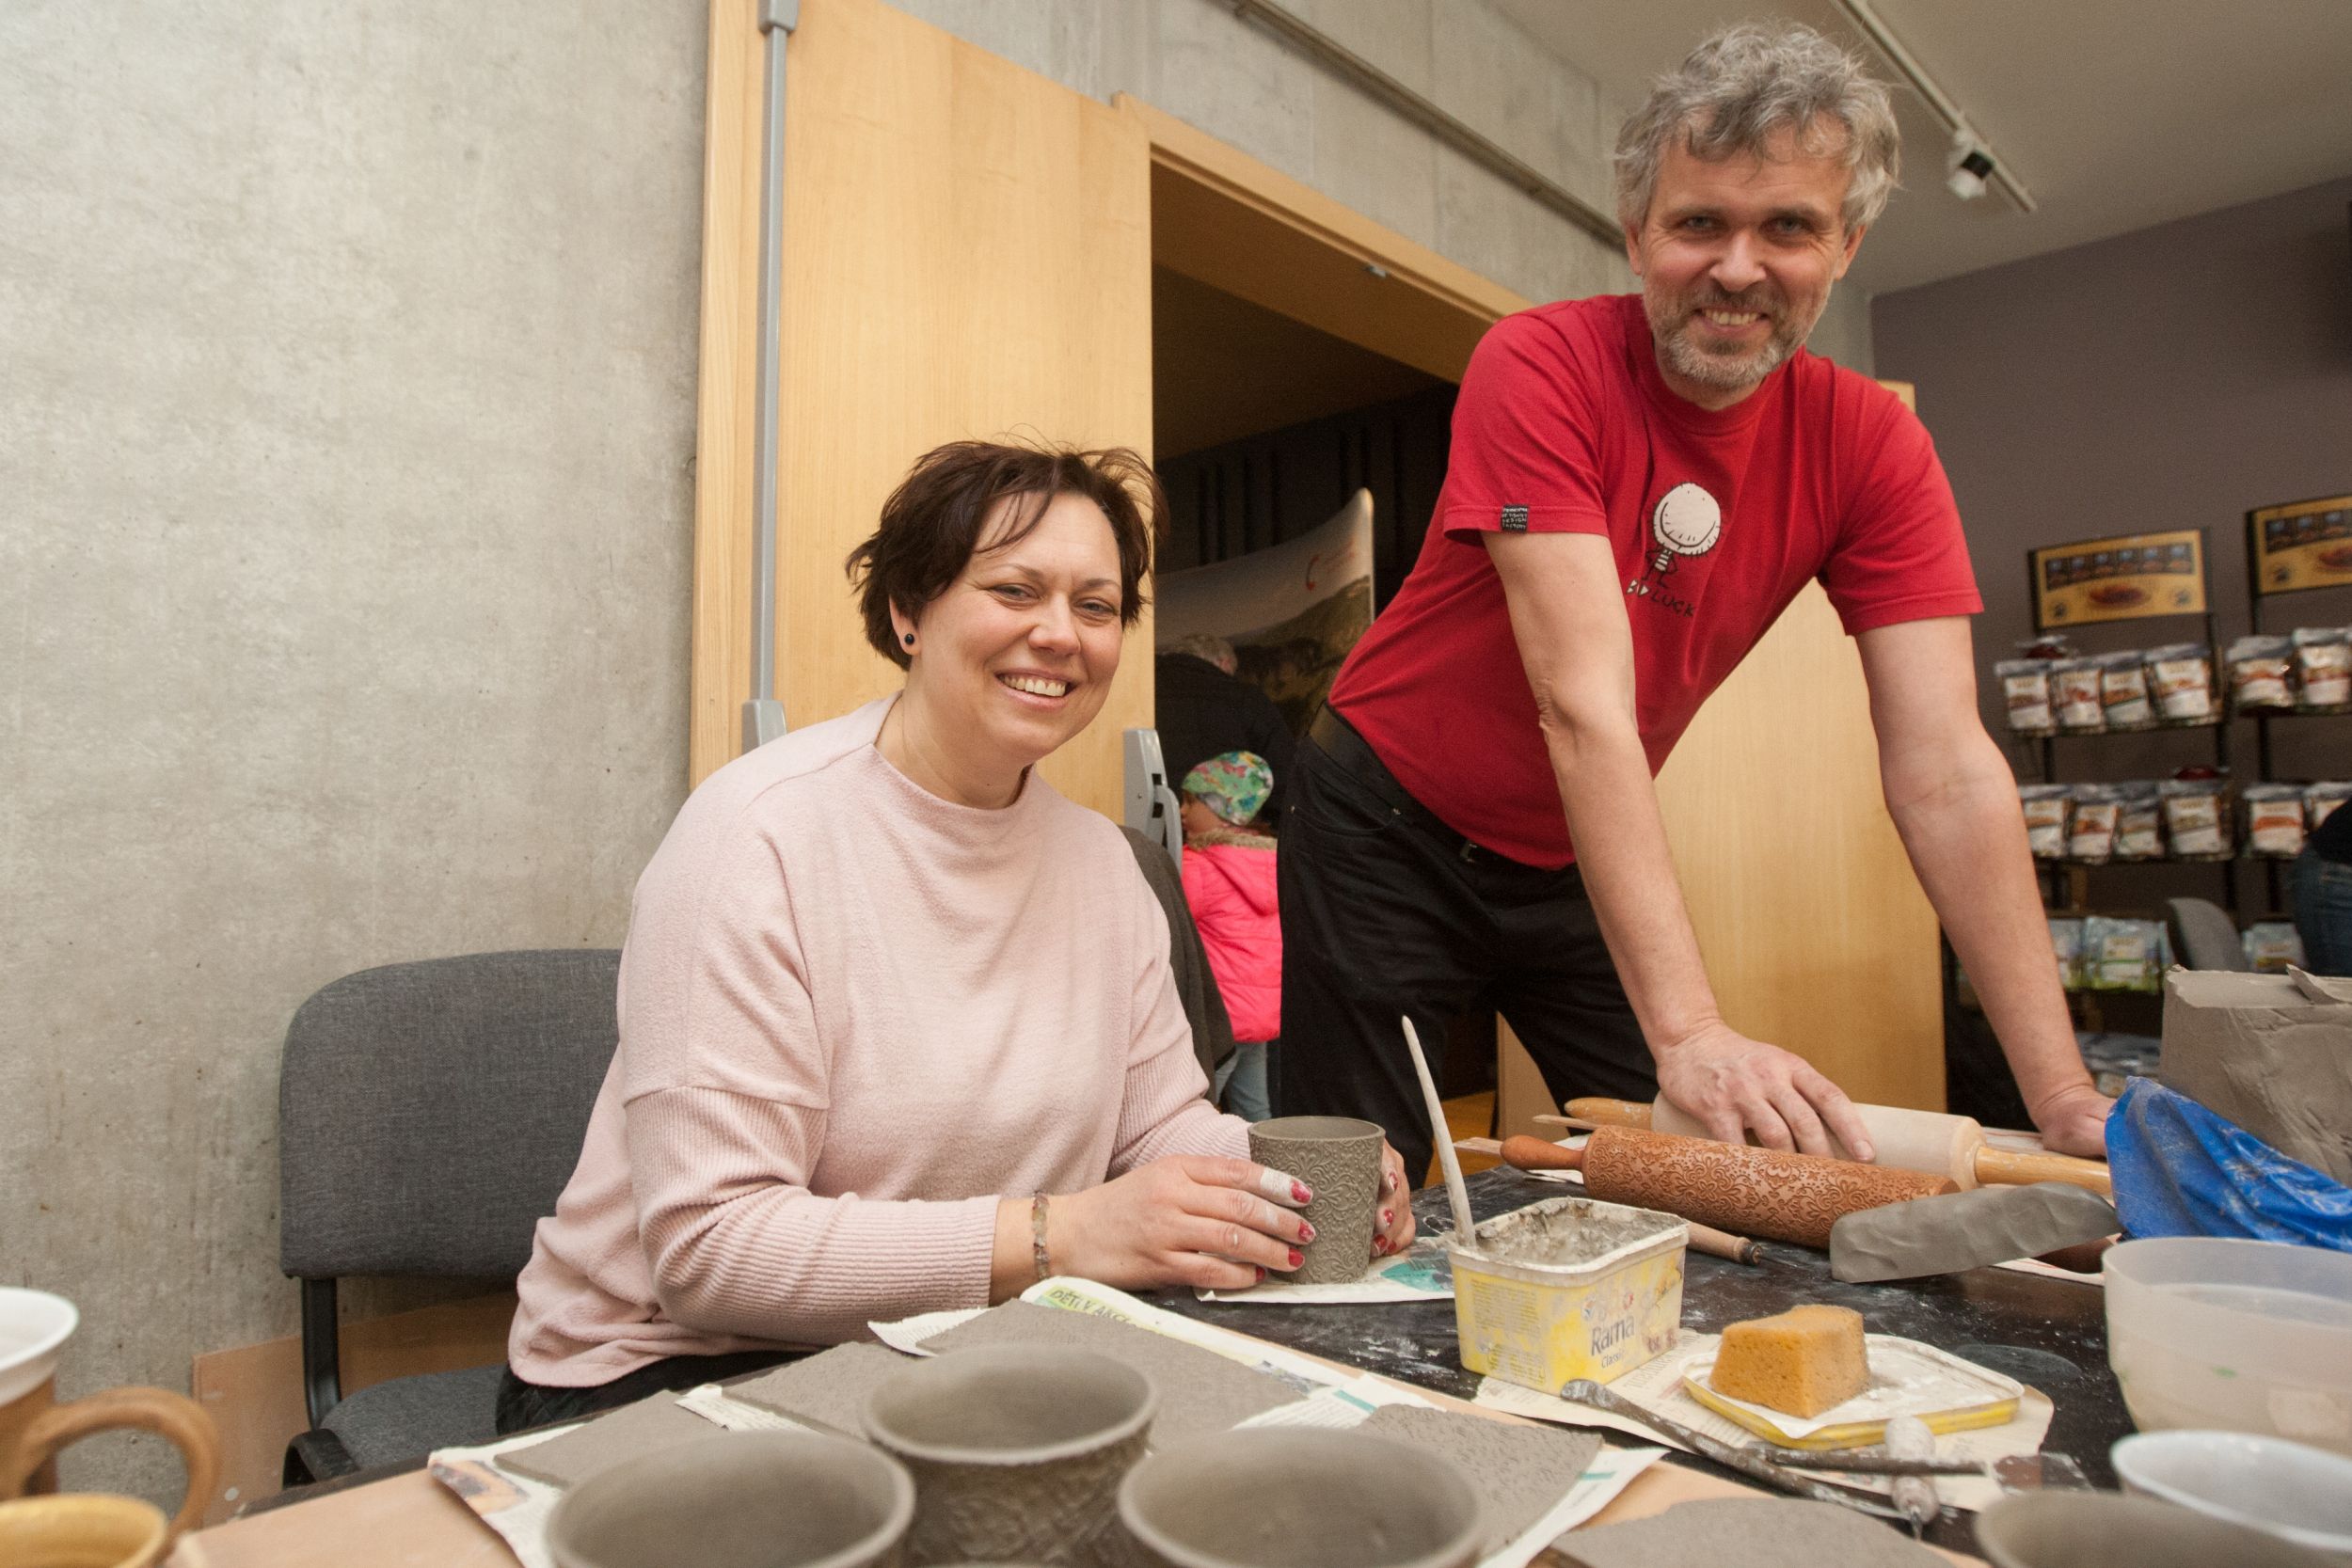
{"points": [[188, 1424]]}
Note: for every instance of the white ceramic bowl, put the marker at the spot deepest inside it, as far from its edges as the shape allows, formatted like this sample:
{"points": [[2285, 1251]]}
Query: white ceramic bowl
{"points": [[2287, 1489], [2233, 1335], [34, 1328]]}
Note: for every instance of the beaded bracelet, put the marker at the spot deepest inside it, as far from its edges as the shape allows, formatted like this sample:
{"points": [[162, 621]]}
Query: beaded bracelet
{"points": [[1037, 1238]]}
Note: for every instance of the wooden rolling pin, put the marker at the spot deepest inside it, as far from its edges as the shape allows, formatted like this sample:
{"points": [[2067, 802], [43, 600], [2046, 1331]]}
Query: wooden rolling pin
{"points": [[1754, 1192], [1929, 1141]]}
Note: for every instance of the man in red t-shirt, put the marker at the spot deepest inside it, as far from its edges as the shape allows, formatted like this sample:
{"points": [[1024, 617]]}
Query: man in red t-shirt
{"points": [[1638, 486]]}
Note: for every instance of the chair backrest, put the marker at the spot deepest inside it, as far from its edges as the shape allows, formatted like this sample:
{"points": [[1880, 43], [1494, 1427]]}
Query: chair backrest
{"points": [[2206, 935], [429, 1114]]}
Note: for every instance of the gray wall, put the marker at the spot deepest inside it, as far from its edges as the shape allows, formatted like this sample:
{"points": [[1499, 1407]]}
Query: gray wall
{"points": [[347, 360], [2175, 378]]}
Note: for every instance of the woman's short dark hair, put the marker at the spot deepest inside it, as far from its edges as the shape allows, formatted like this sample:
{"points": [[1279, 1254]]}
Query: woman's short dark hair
{"points": [[933, 522]]}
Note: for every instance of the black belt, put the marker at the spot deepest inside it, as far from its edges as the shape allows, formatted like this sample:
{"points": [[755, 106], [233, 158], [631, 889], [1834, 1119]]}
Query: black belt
{"points": [[1335, 739]]}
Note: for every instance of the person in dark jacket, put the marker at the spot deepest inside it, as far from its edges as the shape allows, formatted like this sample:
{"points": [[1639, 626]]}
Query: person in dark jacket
{"points": [[1205, 710]]}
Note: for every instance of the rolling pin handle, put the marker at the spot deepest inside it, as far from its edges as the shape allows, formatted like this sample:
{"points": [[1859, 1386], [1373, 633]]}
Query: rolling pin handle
{"points": [[1610, 1112], [2013, 1167], [1535, 1155]]}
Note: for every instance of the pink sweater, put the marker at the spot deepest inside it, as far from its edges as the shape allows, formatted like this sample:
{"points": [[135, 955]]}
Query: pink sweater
{"points": [[852, 1017]]}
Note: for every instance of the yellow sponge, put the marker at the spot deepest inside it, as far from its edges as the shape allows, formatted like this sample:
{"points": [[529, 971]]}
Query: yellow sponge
{"points": [[1803, 1362]]}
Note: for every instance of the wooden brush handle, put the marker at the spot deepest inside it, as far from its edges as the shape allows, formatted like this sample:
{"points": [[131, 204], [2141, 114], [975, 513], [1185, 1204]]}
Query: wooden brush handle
{"points": [[1535, 1155], [1754, 1191], [2011, 1168]]}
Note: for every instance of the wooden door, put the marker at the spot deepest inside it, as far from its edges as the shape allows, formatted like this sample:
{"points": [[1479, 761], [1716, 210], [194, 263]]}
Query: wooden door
{"points": [[966, 254]]}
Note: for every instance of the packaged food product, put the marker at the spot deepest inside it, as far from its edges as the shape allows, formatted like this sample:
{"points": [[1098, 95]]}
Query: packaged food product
{"points": [[2322, 797], [2090, 830], [2180, 674], [2026, 687], [2074, 690], [2196, 818], [2271, 945], [2125, 955], [2138, 822], [2066, 945], [2274, 820], [2124, 692], [2046, 806], [2261, 674], [2322, 668]]}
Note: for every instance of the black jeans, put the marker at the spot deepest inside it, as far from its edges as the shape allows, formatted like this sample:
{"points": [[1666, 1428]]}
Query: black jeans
{"points": [[1388, 914], [529, 1404]]}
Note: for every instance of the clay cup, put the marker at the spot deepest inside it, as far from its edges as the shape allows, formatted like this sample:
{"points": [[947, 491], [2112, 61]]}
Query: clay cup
{"points": [[1339, 1159], [1301, 1498], [1017, 1451], [2100, 1529], [742, 1500]]}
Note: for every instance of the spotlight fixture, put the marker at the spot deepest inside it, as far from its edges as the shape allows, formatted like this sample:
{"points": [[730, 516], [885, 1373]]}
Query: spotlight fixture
{"points": [[1970, 166]]}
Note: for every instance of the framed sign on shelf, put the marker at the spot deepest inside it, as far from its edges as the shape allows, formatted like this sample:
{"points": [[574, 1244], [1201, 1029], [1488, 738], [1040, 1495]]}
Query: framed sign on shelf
{"points": [[2123, 579], [2299, 544]]}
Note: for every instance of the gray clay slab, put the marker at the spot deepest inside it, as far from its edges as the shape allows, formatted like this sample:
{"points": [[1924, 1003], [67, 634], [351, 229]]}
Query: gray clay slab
{"points": [[616, 1437], [1517, 1471], [1964, 1231], [828, 1388], [1753, 1532], [1200, 1392]]}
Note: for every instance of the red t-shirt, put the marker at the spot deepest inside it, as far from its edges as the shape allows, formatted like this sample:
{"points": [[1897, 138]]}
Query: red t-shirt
{"points": [[1719, 519]]}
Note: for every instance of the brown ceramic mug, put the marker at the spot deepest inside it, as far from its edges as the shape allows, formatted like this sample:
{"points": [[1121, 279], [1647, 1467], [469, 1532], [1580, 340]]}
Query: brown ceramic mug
{"points": [[90, 1530]]}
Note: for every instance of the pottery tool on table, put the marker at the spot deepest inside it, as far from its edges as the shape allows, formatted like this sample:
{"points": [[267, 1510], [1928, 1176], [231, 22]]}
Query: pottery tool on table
{"points": [[1748, 1462], [1465, 1231], [1908, 1438], [1759, 1192], [1704, 1237], [1902, 1139]]}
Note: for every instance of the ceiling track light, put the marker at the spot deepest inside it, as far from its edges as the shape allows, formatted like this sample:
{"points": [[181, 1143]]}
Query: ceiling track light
{"points": [[1973, 165]]}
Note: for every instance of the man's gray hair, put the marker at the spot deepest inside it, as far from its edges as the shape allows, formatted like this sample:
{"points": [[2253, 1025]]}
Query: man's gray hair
{"points": [[1749, 81]]}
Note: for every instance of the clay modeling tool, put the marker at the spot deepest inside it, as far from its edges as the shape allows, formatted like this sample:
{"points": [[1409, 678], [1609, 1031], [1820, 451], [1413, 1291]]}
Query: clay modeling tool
{"points": [[1754, 1191], [1902, 1139], [1541, 1156], [1744, 1461], [1874, 1463], [1465, 1232], [1908, 1438]]}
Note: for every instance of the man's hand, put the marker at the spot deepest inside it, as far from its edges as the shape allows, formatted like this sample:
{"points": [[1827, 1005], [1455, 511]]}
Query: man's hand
{"points": [[2074, 1121], [1736, 1086]]}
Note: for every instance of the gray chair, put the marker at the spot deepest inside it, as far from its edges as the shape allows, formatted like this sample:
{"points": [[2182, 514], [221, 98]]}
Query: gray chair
{"points": [[2204, 936], [428, 1116]]}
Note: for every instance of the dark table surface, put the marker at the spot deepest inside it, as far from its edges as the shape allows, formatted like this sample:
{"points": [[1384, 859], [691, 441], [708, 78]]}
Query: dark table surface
{"points": [[2049, 1333]]}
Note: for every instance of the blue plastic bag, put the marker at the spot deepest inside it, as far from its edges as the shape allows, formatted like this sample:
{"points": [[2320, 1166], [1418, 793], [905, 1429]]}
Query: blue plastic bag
{"points": [[2179, 1171]]}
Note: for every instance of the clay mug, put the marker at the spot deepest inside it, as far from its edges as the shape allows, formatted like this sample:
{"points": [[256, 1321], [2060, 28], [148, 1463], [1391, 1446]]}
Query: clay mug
{"points": [[739, 1499], [1301, 1498], [2102, 1530], [90, 1530], [1339, 1159], [1017, 1451], [34, 1328]]}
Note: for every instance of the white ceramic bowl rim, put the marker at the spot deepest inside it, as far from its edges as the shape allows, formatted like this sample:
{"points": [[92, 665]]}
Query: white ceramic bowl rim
{"points": [[2130, 1453], [52, 1320]]}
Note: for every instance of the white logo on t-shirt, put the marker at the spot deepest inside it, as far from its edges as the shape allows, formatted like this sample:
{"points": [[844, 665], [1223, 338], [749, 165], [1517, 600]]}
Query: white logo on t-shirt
{"points": [[1687, 521]]}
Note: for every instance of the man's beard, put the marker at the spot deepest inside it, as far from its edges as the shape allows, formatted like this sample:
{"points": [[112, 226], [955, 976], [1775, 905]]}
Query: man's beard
{"points": [[1677, 336]]}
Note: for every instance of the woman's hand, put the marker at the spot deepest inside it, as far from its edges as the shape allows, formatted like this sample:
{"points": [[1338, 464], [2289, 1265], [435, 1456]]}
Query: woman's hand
{"points": [[1191, 1219], [1392, 1224]]}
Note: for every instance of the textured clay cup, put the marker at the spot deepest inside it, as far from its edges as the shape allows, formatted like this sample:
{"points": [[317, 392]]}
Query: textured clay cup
{"points": [[1339, 1159], [1017, 1451], [2099, 1529], [742, 1500], [1301, 1498]]}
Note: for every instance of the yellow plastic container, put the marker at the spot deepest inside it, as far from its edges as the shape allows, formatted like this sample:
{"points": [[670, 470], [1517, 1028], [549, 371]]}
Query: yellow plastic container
{"points": [[1529, 1320]]}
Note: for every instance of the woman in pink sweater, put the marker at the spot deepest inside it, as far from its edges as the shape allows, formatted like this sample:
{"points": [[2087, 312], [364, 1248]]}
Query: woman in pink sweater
{"points": [[884, 991]]}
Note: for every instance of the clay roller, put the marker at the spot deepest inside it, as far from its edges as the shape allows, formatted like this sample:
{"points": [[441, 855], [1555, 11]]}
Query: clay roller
{"points": [[1752, 1192], [1933, 1141]]}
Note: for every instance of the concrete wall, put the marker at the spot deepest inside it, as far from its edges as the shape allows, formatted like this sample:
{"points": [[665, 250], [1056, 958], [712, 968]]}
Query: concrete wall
{"points": [[347, 360], [346, 427], [2176, 377]]}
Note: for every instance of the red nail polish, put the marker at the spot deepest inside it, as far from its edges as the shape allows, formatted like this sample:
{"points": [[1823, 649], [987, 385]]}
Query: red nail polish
{"points": [[1300, 1191], [1261, 1279], [1387, 1216], [1306, 1231], [1296, 1258]]}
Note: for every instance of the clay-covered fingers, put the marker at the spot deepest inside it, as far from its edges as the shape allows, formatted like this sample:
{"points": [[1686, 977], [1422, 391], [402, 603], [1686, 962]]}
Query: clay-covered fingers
{"points": [[1393, 1221]]}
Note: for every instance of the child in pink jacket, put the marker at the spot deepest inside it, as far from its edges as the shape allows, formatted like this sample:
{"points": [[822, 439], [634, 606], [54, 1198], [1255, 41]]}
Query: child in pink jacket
{"points": [[1228, 884]]}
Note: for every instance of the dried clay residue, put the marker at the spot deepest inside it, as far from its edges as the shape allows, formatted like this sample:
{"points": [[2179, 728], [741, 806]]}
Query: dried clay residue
{"points": [[1565, 1232]]}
